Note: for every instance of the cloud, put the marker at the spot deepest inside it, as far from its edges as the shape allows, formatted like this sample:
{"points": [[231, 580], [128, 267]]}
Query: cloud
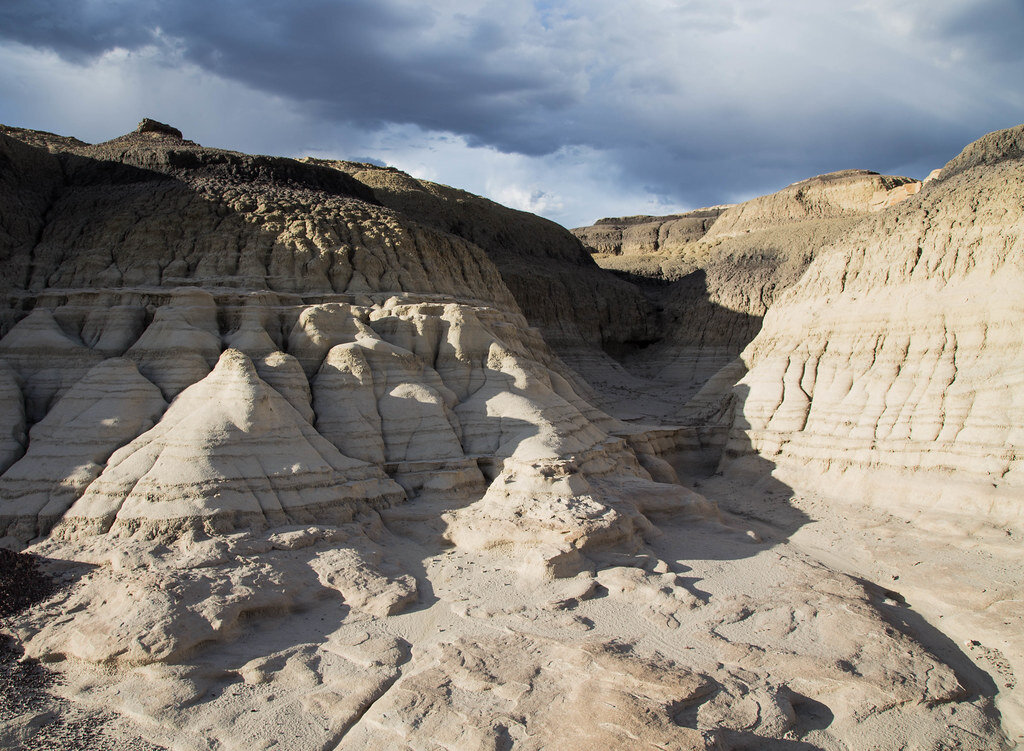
{"points": [[659, 103]]}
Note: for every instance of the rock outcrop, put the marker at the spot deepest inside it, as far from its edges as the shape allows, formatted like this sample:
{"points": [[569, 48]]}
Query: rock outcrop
{"points": [[895, 362], [638, 235], [12, 415], [713, 273], [229, 453], [312, 352], [552, 277], [69, 447]]}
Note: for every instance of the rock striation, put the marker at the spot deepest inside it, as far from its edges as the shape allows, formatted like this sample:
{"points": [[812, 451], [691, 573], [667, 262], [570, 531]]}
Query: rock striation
{"points": [[581, 311], [69, 447], [713, 273], [229, 453], [896, 358], [315, 358], [638, 235]]}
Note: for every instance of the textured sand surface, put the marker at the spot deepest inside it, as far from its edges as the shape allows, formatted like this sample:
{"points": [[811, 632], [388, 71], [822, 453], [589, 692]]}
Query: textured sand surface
{"points": [[316, 455]]}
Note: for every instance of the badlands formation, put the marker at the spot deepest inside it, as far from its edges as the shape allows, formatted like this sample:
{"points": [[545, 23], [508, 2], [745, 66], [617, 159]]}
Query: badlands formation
{"points": [[302, 454]]}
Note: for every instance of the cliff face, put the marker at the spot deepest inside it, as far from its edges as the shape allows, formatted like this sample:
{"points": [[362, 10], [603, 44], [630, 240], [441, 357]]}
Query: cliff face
{"points": [[152, 210], [896, 357], [712, 274], [633, 235], [549, 273], [849, 193]]}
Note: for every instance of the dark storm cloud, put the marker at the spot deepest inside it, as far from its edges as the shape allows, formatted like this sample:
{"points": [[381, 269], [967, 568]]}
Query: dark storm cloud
{"points": [[361, 61], [994, 28], [699, 101]]}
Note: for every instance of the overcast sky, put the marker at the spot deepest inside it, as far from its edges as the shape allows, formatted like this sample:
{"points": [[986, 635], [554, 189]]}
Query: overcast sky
{"points": [[573, 109]]}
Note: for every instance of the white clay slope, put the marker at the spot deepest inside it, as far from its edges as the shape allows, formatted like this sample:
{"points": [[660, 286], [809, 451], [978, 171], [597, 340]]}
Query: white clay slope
{"points": [[230, 451], [894, 370], [69, 447]]}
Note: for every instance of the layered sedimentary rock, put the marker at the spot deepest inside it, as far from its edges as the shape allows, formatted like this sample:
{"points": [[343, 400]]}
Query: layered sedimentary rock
{"points": [[150, 209], [309, 478], [898, 354], [547, 270], [26, 202], [830, 196], [46, 360], [713, 273], [69, 447], [321, 360], [230, 452], [637, 235]]}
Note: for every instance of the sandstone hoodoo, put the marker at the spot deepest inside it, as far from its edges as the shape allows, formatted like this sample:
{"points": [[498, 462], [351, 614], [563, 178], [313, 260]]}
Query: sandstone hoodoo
{"points": [[318, 455]]}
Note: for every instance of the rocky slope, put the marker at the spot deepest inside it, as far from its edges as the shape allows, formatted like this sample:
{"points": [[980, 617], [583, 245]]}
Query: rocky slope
{"points": [[713, 273], [898, 353], [889, 378], [305, 476], [548, 271]]}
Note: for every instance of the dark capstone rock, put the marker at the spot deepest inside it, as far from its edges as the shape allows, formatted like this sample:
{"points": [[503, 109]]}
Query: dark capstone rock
{"points": [[152, 126]]}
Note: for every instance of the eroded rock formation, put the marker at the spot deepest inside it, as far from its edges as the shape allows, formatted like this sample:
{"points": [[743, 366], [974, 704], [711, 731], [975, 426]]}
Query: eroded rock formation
{"points": [[547, 270], [898, 354], [300, 441], [713, 274]]}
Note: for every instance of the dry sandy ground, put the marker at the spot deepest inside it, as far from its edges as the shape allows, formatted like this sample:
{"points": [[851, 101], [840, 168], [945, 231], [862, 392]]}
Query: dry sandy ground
{"points": [[35, 716], [956, 593], [959, 588]]}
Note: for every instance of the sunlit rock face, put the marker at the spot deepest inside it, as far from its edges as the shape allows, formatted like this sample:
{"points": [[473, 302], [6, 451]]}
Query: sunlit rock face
{"points": [[895, 362], [318, 351], [548, 271], [310, 448], [712, 274]]}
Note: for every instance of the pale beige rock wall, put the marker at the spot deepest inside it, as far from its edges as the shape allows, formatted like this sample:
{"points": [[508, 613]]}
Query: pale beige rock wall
{"points": [[898, 356], [153, 210], [714, 273], [551, 275]]}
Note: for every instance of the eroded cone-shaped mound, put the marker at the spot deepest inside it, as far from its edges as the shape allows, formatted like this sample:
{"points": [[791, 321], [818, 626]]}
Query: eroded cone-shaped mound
{"points": [[346, 406], [284, 374], [110, 406], [230, 451], [47, 360], [564, 487], [180, 345], [112, 330]]}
